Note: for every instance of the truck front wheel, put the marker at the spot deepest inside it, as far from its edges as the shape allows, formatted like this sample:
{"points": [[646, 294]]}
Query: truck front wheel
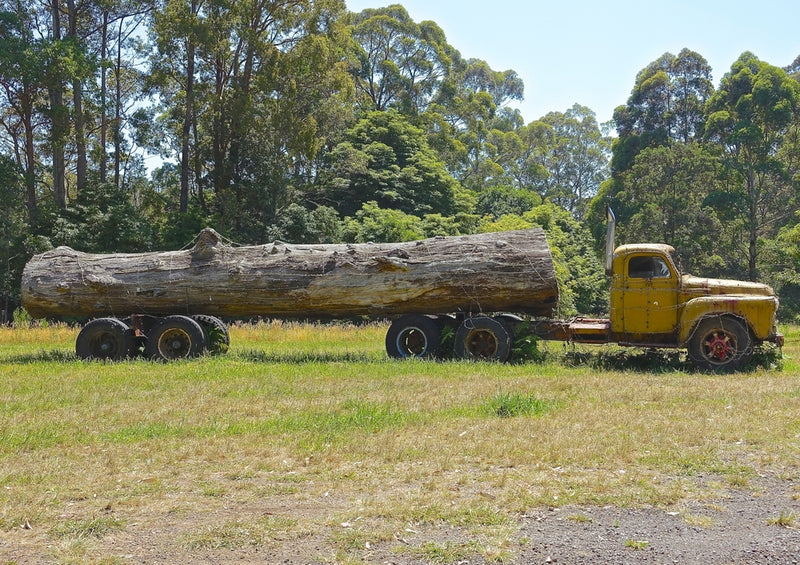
{"points": [[483, 338], [721, 344]]}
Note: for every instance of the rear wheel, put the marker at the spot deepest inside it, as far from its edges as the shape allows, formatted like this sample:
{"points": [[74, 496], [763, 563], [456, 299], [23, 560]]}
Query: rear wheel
{"points": [[483, 338], [413, 336], [175, 337], [105, 338], [215, 332], [720, 343]]}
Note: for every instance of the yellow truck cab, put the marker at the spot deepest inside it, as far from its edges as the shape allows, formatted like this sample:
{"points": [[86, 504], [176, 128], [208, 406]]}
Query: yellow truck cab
{"points": [[653, 304]]}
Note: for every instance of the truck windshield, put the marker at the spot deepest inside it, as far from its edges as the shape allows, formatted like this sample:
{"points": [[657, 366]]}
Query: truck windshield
{"points": [[648, 267]]}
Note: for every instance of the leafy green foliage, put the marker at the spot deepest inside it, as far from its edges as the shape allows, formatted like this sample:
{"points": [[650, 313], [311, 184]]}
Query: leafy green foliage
{"points": [[12, 237], [298, 225], [525, 345], [755, 106], [583, 286], [502, 200], [376, 224], [387, 160], [575, 158], [400, 63], [665, 197], [102, 220]]}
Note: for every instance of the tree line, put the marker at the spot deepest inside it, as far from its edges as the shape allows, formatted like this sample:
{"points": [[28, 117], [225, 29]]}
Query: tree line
{"points": [[301, 121]]}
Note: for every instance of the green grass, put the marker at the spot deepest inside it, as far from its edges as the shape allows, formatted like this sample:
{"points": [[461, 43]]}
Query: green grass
{"points": [[300, 429], [636, 544]]}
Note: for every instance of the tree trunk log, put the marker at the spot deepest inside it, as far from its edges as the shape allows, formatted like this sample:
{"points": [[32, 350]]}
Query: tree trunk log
{"points": [[508, 271]]}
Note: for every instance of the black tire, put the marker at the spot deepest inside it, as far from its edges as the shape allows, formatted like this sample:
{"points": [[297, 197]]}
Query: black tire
{"points": [[106, 339], [483, 338], [413, 335], [217, 338], [720, 344], [175, 337]]}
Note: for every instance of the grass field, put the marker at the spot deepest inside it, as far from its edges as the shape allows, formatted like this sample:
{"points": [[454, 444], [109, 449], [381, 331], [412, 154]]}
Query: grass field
{"points": [[306, 441]]}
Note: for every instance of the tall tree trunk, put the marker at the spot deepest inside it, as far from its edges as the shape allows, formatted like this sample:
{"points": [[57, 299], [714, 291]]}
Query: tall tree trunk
{"points": [[117, 129], [198, 176], [103, 98], [188, 120], [59, 119], [226, 200], [77, 101], [753, 225], [30, 164], [239, 118]]}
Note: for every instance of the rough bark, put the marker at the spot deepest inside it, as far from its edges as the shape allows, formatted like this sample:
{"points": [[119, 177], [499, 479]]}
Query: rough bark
{"points": [[507, 271]]}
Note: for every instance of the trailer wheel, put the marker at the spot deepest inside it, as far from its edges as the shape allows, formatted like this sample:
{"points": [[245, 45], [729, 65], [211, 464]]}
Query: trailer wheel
{"points": [[483, 338], [720, 344], [413, 335], [215, 332], [105, 338], [175, 337]]}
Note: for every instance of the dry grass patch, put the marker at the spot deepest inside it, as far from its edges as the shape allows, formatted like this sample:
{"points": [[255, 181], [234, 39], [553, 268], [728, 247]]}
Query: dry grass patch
{"points": [[786, 519], [699, 520]]}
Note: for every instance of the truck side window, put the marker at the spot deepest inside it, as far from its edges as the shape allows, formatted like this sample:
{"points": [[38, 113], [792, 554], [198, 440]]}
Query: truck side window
{"points": [[647, 268]]}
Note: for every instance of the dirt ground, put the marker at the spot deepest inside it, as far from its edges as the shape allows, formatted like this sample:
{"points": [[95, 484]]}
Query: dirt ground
{"points": [[737, 527]]}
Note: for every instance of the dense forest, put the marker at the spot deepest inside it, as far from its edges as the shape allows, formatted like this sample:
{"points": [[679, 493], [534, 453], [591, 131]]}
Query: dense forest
{"points": [[301, 121]]}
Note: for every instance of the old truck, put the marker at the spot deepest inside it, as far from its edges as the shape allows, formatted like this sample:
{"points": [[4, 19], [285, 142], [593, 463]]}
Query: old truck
{"points": [[460, 296]]}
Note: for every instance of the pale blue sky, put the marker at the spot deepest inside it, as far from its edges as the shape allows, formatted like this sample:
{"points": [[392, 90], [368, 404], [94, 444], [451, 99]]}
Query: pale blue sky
{"points": [[589, 52]]}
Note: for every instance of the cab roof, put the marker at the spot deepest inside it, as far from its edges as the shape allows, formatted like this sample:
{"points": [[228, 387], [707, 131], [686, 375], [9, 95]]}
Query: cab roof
{"points": [[644, 248]]}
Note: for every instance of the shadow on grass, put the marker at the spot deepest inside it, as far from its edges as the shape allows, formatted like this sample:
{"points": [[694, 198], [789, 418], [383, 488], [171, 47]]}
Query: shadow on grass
{"points": [[52, 356], [253, 356], [302, 357], [643, 360], [659, 361]]}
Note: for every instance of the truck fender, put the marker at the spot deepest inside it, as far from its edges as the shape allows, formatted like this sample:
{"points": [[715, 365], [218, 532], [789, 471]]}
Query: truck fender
{"points": [[755, 312]]}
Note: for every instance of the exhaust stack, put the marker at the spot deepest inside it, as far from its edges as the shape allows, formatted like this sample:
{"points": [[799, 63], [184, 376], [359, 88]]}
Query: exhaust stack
{"points": [[611, 224]]}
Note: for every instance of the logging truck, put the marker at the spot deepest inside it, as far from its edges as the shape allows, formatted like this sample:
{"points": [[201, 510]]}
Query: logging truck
{"points": [[462, 296]]}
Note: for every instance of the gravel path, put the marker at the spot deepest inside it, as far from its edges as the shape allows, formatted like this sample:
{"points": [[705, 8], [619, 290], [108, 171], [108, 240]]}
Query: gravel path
{"points": [[739, 527]]}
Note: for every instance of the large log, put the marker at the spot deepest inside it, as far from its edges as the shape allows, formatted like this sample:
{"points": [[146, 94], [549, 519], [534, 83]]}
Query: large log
{"points": [[507, 271]]}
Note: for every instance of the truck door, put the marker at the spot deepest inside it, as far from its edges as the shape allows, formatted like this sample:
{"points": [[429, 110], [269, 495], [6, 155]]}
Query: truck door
{"points": [[650, 300]]}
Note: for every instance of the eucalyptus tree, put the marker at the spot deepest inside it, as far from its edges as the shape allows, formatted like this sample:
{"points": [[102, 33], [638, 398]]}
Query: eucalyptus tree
{"points": [[576, 161], [117, 44], [252, 89], [22, 62], [793, 70], [665, 106], [665, 195], [470, 122], [177, 30], [461, 103], [398, 63], [13, 235], [754, 108]]}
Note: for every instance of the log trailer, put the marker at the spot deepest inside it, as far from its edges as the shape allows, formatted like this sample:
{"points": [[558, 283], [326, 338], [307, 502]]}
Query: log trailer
{"points": [[469, 289]]}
